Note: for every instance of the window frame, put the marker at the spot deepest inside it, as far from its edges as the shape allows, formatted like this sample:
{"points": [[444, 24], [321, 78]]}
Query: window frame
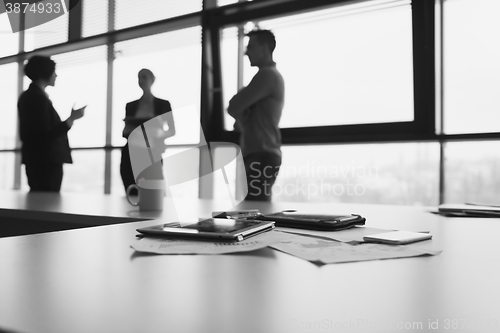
{"points": [[423, 125]]}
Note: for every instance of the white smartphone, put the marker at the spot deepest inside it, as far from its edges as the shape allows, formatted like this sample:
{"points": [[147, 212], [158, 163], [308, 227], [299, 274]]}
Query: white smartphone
{"points": [[397, 237]]}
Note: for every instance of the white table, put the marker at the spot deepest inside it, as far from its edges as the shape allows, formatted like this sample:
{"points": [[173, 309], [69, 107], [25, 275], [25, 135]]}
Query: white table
{"points": [[90, 280]]}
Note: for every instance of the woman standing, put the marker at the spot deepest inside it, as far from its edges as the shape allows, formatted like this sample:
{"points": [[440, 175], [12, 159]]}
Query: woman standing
{"points": [[45, 146], [138, 112]]}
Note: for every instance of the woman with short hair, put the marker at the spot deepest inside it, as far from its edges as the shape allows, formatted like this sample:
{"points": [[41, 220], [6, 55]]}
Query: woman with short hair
{"points": [[45, 146]]}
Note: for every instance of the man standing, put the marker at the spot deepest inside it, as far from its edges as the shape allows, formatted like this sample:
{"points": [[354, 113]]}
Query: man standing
{"points": [[257, 110]]}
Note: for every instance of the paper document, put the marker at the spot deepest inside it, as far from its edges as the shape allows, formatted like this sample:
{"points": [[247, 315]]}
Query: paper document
{"points": [[330, 251], [171, 246], [348, 235]]}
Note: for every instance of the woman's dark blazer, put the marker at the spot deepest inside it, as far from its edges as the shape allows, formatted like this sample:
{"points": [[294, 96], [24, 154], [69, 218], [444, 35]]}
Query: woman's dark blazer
{"points": [[44, 136], [160, 105]]}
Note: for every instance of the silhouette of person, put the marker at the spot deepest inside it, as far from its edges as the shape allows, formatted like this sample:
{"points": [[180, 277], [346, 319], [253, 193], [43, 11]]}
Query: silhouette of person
{"points": [[44, 137], [138, 112], [257, 110]]}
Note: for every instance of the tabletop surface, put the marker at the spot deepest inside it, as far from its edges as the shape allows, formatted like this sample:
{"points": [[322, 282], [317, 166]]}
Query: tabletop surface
{"points": [[91, 280]]}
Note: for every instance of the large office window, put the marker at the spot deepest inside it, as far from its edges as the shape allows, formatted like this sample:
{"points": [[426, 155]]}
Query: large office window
{"points": [[86, 174], [129, 13], [404, 173], [472, 171], [8, 89], [94, 17], [9, 40], [81, 80], [175, 59], [50, 33], [355, 71], [7, 166], [345, 65], [471, 66], [226, 2]]}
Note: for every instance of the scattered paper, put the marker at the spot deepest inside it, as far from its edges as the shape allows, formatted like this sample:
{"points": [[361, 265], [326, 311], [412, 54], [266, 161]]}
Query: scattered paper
{"points": [[170, 246], [330, 251], [307, 247], [348, 235]]}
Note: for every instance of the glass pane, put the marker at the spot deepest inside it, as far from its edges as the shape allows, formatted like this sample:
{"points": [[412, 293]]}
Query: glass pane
{"points": [[7, 164], [129, 13], [50, 33], [9, 40], [184, 190], [187, 189], [471, 66], [221, 190], [82, 80], [86, 174], [175, 59], [116, 180], [8, 87], [221, 3], [94, 17], [472, 172], [229, 61], [400, 174], [353, 64]]}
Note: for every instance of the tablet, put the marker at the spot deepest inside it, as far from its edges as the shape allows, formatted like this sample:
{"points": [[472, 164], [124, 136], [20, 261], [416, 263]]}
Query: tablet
{"points": [[397, 237], [213, 229]]}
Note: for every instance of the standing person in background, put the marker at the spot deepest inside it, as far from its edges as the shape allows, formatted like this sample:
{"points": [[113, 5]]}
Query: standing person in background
{"points": [[257, 110], [44, 137], [137, 113]]}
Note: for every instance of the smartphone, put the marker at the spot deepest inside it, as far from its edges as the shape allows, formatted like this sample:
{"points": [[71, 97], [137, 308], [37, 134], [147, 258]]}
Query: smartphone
{"points": [[397, 237], [314, 221]]}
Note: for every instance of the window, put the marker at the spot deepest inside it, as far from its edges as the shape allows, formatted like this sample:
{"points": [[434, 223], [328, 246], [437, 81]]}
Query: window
{"points": [[50, 33], [7, 163], [229, 61], [221, 3], [82, 80], [175, 59], [8, 87], [10, 41], [472, 171], [471, 66], [94, 17], [86, 174], [403, 174], [129, 13], [345, 65]]}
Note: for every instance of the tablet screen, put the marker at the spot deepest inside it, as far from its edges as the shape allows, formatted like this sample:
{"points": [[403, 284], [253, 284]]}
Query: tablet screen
{"points": [[212, 225]]}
